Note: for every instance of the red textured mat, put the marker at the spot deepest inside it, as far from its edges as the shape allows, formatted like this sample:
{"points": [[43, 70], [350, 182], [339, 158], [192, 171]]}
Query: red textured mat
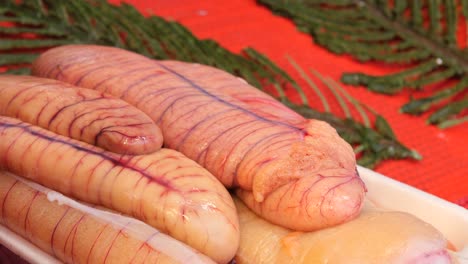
{"points": [[239, 24]]}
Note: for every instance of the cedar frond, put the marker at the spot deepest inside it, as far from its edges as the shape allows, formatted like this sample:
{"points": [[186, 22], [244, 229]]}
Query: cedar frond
{"points": [[37, 25], [420, 34]]}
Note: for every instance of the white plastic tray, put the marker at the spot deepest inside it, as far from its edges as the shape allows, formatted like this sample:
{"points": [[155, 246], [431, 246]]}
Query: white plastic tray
{"points": [[386, 193]]}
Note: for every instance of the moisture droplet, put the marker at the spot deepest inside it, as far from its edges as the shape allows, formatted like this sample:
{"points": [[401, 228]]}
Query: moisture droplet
{"points": [[242, 80], [202, 12], [439, 61]]}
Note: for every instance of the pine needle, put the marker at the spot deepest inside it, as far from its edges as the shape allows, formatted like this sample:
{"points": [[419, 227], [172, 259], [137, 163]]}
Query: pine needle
{"points": [[311, 83], [333, 89], [351, 99], [452, 122]]}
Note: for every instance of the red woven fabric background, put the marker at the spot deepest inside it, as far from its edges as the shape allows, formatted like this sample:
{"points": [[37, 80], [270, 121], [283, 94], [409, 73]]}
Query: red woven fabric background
{"points": [[242, 23]]}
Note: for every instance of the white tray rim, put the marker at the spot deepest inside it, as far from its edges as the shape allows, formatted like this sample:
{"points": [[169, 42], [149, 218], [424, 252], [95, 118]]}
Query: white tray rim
{"points": [[449, 218]]}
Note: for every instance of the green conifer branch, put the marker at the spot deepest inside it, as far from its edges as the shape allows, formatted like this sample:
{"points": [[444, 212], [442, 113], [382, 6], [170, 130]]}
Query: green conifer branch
{"points": [[392, 32], [56, 23]]}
